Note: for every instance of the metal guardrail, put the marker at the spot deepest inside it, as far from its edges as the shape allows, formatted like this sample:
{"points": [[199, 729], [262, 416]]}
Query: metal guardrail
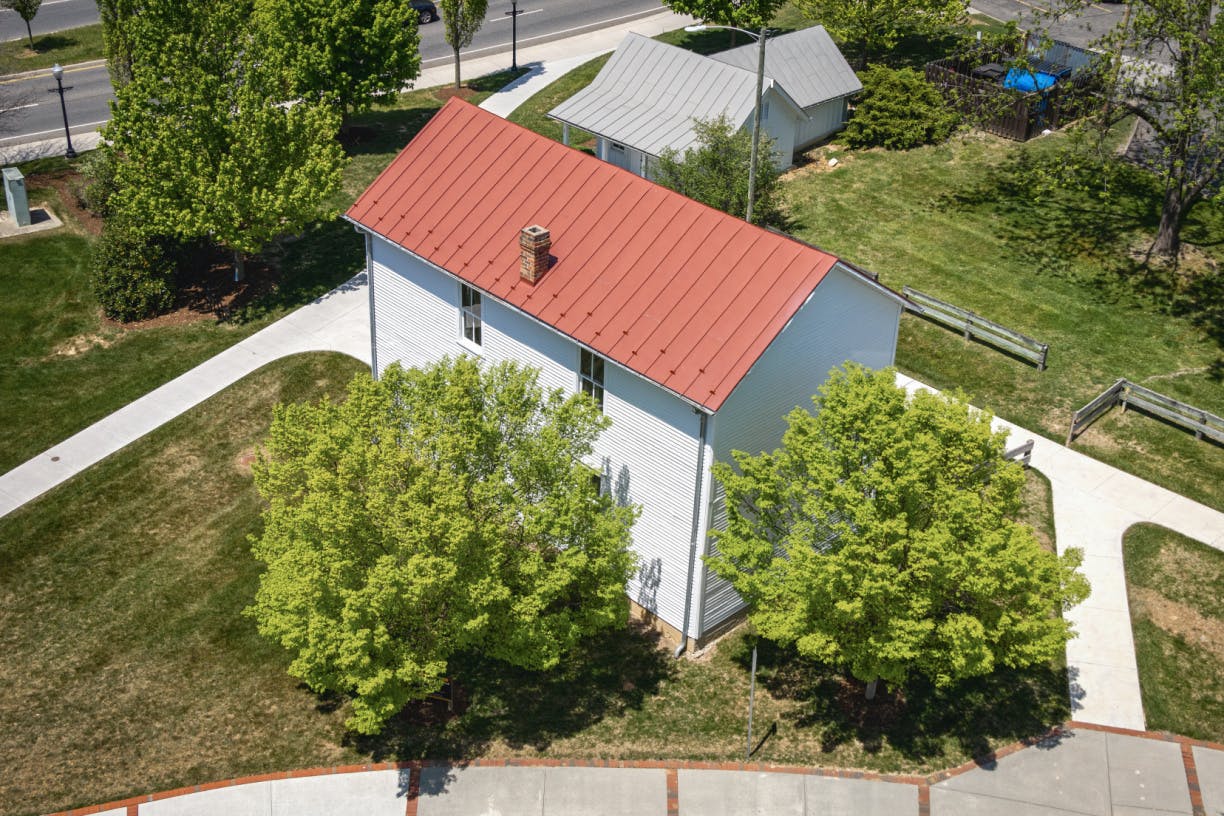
{"points": [[974, 325], [1129, 394]]}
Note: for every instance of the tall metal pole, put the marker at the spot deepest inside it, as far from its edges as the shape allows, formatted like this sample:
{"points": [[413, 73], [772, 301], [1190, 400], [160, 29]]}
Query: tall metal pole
{"points": [[58, 73], [756, 122], [751, 703], [513, 35]]}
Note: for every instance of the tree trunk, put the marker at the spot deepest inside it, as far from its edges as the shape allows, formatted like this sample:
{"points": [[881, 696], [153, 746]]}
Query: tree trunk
{"points": [[239, 267], [30, 34], [871, 689], [1168, 234], [456, 69]]}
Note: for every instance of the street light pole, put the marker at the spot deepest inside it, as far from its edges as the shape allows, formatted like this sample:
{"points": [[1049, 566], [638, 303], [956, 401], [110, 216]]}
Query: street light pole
{"points": [[756, 113], [756, 123], [58, 72], [513, 12]]}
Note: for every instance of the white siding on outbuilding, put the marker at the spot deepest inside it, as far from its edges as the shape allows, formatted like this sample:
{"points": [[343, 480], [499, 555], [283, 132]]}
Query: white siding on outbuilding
{"points": [[823, 121], [846, 318], [648, 456]]}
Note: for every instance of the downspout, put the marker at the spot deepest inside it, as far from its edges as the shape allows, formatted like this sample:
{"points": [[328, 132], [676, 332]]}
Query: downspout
{"points": [[369, 249], [692, 564]]}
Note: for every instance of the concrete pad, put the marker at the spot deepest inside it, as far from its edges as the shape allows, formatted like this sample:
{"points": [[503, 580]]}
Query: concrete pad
{"points": [[1103, 637], [1194, 520], [829, 796], [1071, 773], [1146, 773], [254, 799], [41, 220], [476, 791], [605, 792], [1210, 765], [958, 803], [1106, 576], [372, 793], [1105, 695], [115, 812], [740, 793], [1134, 494]]}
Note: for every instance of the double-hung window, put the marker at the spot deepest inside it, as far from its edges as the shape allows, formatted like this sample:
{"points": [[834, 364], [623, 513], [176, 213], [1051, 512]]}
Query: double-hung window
{"points": [[469, 307], [591, 376]]}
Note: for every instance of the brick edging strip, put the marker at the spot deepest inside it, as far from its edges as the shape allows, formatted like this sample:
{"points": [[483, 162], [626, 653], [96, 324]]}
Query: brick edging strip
{"points": [[923, 783]]}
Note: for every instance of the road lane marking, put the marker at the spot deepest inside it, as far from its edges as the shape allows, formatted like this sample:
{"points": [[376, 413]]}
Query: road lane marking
{"points": [[20, 107]]}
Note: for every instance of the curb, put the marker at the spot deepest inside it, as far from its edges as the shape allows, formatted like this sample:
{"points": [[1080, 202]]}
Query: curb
{"points": [[34, 72], [921, 782]]}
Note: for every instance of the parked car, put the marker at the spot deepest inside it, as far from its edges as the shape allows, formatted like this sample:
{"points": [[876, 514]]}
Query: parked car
{"points": [[427, 10]]}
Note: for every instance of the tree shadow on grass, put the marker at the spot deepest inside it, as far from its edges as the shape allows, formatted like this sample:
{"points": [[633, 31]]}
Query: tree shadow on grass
{"points": [[53, 42], [922, 722], [607, 675]]}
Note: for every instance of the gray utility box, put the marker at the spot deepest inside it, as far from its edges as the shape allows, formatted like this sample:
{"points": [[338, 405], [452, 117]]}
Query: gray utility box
{"points": [[15, 196]]}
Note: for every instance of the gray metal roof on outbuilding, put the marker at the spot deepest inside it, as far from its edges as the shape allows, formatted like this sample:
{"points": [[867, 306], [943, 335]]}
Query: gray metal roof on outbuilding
{"points": [[649, 93], [806, 63]]}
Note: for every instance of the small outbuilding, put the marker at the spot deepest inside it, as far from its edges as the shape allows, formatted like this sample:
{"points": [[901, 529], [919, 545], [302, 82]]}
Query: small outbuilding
{"points": [[647, 96]]}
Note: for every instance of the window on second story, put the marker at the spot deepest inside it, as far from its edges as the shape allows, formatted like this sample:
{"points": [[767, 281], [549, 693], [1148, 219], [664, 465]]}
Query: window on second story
{"points": [[591, 376], [469, 306]]}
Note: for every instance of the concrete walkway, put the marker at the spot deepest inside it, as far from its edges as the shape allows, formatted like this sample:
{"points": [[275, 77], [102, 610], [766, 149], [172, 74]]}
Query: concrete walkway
{"points": [[1078, 771]]}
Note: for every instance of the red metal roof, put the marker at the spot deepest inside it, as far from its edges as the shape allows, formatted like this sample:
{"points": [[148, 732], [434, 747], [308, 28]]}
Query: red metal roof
{"points": [[685, 295]]}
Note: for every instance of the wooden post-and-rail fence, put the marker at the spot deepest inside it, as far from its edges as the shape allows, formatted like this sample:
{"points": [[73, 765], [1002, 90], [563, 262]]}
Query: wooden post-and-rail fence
{"points": [[974, 325], [1129, 394]]}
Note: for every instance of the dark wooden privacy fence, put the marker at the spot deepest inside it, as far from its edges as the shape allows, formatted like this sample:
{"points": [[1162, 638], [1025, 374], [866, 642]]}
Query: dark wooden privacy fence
{"points": [[1011, 113], [1128, 394], [974, 325]]}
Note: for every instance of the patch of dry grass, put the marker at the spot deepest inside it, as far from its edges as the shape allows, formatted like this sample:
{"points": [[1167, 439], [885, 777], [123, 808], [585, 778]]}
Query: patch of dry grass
{"points": [[1176, 590]]}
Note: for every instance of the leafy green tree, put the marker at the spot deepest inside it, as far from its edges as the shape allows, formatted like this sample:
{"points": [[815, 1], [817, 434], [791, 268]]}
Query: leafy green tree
{"points": [[354, 52], [27, 10], [870, 28], [879, 538], [208, 147], [461, 19], [1170, 79], [899, 109], [749, 14], [133, 272], [434, 511], [116, 16], [715, 171]]}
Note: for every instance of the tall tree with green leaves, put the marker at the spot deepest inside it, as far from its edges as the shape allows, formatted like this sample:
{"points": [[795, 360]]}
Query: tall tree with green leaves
{"points": [[27, 10], [870, 28], [208, 148], [434, 511], [748, 14], [461, 19], [715, 172], [1168, 62], [355, 53], [116, 16], [879, 538]]}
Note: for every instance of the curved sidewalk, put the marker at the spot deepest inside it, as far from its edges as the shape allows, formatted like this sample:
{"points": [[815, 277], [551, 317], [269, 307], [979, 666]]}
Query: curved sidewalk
{"points": [[1078, 770]]}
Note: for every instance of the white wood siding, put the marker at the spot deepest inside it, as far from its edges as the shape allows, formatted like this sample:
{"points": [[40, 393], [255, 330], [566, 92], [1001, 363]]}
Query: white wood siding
{"points": [[648, 456], [629, 158], [782, 126], [823, 120], [844, 319]]}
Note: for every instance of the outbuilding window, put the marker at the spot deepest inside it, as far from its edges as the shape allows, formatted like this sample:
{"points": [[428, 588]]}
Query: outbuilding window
{"points": [[469, 307], [591, 376]]}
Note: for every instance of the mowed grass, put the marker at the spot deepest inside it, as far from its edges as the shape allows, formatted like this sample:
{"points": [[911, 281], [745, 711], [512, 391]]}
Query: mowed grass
{"points": [[65, 47], [1176, 590], [970, 223], [63, 366], [127, 665]]}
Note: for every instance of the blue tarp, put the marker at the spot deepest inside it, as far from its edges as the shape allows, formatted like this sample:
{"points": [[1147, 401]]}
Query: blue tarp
{"points": [[1023, 80]]}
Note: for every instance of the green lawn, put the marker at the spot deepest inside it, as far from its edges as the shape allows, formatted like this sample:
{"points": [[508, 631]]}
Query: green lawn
{"points": [[65, 47], [63, 367], [1176, 591]]}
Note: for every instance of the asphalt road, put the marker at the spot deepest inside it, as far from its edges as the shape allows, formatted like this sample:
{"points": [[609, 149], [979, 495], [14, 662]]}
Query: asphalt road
{"points": [[30, 111], [1088, 24], [53, 15]]}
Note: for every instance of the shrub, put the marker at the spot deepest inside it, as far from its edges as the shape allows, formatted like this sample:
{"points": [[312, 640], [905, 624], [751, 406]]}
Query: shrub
{"points": [[899, 109], [98, 167], [133, 272]]}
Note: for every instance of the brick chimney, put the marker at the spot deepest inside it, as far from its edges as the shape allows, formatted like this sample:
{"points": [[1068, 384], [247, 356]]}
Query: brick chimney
{"points": [[534, 243]]}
